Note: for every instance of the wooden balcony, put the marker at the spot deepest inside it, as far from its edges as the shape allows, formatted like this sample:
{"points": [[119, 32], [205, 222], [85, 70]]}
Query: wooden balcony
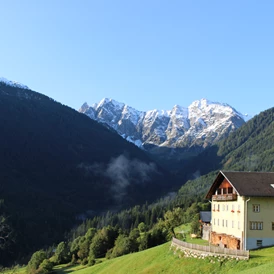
{"points": [[224, 197]]}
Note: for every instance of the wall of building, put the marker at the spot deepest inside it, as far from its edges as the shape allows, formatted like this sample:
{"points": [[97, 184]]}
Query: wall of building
{"points": [[225, 241], [252, 243], [229, 219], [206, 232], [264, 216]]}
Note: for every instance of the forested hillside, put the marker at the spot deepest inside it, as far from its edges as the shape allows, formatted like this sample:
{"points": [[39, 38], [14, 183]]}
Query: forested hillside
{"points": [[56, 165], [249, 148], [58, 168]]}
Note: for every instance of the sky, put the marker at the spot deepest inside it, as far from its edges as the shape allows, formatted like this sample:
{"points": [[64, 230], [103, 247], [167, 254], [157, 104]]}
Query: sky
{"points": [[149, 54]]}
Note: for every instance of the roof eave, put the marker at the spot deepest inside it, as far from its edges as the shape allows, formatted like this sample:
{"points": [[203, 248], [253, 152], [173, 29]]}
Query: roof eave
{"points": [[232, 184], [215, 185]]}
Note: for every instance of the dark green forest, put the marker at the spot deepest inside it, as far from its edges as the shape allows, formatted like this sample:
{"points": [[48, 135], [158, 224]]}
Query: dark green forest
{"points": [[115, 234], [58, 166]]}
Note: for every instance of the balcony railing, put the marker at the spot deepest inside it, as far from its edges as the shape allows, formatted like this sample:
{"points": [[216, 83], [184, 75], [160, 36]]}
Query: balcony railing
{"points": [[225, 197]]}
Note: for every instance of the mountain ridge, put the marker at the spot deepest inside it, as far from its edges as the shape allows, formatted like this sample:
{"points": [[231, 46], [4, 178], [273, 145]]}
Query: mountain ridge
{"points": [[203, 122], [13, 83]]}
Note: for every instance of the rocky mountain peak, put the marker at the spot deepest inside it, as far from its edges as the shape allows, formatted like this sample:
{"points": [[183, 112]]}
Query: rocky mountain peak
{"points": [[203, 122], [84, 107]]}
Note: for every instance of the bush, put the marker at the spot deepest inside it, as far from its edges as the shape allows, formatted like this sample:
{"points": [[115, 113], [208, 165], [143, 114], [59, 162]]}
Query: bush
{"points": [[45, 267], [61, 254], [36, 259], [84, 261]]}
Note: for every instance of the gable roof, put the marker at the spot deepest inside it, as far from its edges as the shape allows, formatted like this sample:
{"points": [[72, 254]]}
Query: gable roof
{"points": [[205, 216], [251, 184]]}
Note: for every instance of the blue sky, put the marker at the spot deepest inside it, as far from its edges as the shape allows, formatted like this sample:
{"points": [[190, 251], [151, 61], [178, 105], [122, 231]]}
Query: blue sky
{"points": [[148, 54]]}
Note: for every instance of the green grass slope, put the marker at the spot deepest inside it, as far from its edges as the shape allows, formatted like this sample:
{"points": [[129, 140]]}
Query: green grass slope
{"points": [[162, 259]]}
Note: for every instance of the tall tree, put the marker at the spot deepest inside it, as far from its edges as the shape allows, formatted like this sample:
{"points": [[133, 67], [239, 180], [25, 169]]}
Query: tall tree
{"points": [[173, 218]]}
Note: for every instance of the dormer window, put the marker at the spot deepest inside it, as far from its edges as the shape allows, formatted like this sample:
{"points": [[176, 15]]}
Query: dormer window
{"points": [[224, 188], [225, 192]]}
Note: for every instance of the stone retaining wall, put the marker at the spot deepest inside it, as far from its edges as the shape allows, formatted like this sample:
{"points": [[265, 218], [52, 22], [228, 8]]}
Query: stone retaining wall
{"points": [[200, 250]]}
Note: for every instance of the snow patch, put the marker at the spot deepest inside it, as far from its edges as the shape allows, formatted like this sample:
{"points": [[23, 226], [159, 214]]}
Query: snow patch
{"points": [[203, 120], [13, 83]]}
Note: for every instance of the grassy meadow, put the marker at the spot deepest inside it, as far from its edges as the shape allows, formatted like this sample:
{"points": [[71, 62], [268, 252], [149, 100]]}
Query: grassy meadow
{"points": [[162, 259]]}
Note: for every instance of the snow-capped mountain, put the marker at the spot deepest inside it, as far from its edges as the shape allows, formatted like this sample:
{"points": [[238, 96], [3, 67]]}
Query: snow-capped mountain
{"points": [[202, 123], [16, 89], [12, 83]]}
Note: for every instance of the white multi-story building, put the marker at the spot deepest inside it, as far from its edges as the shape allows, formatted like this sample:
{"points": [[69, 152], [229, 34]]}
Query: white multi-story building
{"points": [[242, 209]]}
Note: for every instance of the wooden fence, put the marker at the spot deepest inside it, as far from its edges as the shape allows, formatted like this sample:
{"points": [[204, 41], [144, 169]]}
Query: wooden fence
{"points": [[214, 250]]}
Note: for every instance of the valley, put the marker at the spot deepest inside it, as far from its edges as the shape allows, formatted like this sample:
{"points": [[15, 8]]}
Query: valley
{"points": [[65, 174]]}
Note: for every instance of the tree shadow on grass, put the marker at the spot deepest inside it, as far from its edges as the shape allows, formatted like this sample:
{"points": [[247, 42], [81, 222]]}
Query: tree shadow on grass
{"points": [[253, 256], [68, 269]]}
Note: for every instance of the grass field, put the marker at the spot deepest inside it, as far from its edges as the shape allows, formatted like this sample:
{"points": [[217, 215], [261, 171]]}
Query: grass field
{"points": [[162, 259], [185, 230]]}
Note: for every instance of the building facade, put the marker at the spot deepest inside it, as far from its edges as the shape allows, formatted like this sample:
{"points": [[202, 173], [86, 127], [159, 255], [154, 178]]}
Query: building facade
{"points": [[242, 210], [205, 220]]}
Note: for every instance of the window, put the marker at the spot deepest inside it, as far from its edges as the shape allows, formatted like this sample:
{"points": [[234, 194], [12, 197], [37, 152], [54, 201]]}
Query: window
{"points": [[253, 225], [214, 221], [256, 225], [226, 223], [223, 222], [218, 222], [226, 207], [218, 209], [239, 225], [230, 190], [260, 226], [213, 207], [223, 208], [232, 224], [259, 243], [256, 208], [272, 225]]}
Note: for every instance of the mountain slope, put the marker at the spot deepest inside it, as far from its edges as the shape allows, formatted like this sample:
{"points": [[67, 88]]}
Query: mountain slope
{"points": [[250, 148], [203, 123], [57, 164]]}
